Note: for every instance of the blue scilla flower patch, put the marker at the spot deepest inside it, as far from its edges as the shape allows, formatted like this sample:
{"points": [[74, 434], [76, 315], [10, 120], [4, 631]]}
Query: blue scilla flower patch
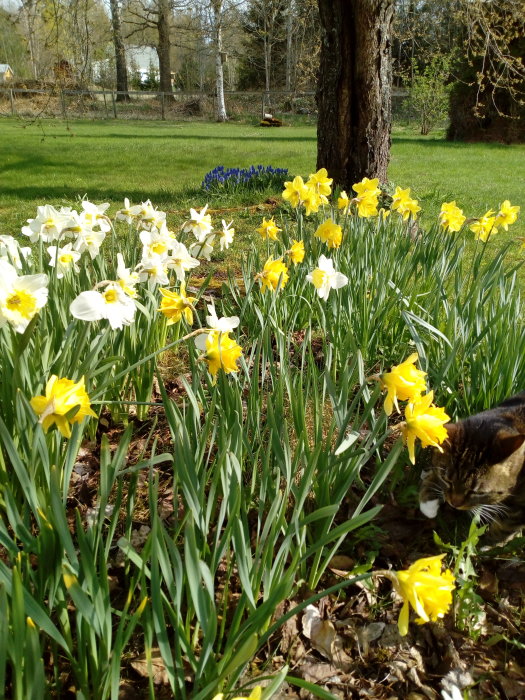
{"points": [[256, 177]]}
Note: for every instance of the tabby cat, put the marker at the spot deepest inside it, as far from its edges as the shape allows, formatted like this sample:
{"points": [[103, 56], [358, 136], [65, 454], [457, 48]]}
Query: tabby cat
{"points": [[481, 469]]}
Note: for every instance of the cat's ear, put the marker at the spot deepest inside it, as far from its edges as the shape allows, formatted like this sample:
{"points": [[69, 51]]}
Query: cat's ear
{"points": [[506, 444], [452, 431]]}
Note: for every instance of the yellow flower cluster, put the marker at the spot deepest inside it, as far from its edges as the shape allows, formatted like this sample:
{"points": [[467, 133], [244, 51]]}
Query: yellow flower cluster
{"points": [[423, 420], [177, 305], [222, 352], [451, 218], [403, 203], [488, 224], [366, 200], [311, 194], [425, 588], [274, 275], [65, 402]]}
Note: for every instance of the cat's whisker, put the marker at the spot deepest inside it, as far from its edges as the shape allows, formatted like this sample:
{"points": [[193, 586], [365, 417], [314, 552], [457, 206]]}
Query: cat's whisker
{"points": [[490, 512], [436, 490]]}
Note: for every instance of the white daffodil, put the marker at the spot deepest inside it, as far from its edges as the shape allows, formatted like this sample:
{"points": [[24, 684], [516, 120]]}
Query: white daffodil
{"points": [[20, 297], [225, 324], [112, 304], [324, 278], [126, 213], [47, 226], [226, 235], [156, 242], [153, 270], [91, 241], [75, 223], [125, 278], [147, 216], [63, 259], [181, 261], [12, 252], [95, 215], [202, 249], [199, 224]]}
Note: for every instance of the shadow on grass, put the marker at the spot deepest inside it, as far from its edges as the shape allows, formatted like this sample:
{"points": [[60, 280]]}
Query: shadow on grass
{"points": [[162, 196], [443, 143], [184, 137]]}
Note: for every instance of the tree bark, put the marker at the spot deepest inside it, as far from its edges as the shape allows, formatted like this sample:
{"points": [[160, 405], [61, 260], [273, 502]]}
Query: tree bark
{"points": [[354, 89], [289, 45], [164, 46], [120, 52], [217, 6]]}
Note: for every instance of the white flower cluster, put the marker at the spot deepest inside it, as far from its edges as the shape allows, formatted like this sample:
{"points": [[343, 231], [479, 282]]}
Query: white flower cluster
{"points": [[72, 233], [200, 225]]}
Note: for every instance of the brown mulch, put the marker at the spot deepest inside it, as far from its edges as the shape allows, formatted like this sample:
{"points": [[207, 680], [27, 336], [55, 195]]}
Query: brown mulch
{"points": [[352, 649]]}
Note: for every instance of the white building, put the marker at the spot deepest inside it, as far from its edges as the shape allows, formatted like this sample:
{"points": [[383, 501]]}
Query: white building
{"points": [[143, 60]]}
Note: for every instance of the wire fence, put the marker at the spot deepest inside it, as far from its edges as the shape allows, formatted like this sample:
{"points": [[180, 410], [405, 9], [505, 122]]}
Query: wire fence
{"points": [[110, 104], [56, 103]]}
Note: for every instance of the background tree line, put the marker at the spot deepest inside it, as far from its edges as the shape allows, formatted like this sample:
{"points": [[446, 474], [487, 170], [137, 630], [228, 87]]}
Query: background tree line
{"points": [[466, 53]]}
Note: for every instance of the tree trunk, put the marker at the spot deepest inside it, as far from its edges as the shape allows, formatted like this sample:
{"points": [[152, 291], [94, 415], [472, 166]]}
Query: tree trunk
{"points": [[354, 89], [289, 45], [164, 46], [219, 74], [120, 52]]}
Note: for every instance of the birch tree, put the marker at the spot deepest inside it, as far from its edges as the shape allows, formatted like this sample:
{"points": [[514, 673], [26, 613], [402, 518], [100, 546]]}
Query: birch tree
{"points": [[217, 7]]}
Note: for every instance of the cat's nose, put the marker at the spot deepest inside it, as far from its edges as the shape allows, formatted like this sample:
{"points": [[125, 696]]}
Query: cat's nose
{"points": [[456, 500]]}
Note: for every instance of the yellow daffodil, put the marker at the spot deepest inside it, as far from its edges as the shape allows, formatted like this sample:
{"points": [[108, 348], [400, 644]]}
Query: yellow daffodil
{"points": [[221, 352], [269, 229], [295, 191], [404, 382], [296, 252], [320, 182], [274, 274], [256, 694], [312, 200], [451, 217], [61, 398], [367, 204], [426, 422], [426, 588], [507, 215], [176, 306], [343, 202], [485, 226], [403, 203], [367, 187], [330, 233]]}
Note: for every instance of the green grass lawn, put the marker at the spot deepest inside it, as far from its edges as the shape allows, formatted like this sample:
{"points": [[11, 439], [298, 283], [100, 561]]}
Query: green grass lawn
{"points": [[57, 162]]}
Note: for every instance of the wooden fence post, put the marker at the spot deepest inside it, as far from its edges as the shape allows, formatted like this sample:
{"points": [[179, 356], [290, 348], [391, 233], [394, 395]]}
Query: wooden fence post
{"points": [[63, 101], [12, 99]]}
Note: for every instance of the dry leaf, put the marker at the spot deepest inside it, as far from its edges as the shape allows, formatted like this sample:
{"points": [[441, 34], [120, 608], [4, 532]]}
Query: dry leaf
{"points": [[368, 634], [341, 562], [156, 668], [324, 638], [320, 632], [319, 673]]}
